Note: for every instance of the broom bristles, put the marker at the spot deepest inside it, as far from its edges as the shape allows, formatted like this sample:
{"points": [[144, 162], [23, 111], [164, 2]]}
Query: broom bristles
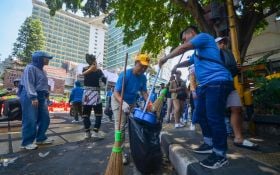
{"points": [[115, 164], [157, 105]]}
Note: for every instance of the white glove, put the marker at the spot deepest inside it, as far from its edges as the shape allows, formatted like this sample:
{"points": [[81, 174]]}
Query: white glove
{"points": [[125, 107]]}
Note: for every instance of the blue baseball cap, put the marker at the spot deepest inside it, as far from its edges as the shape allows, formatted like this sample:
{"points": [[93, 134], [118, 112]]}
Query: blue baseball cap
{"points": [[41, 54]]}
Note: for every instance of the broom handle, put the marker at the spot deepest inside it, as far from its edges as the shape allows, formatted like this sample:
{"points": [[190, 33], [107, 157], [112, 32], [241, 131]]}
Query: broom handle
{"points": [[181, 58], [122, 93], [150, 94], [146, 104]]}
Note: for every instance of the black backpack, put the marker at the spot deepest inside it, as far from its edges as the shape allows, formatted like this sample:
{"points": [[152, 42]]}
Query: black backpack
{"points": [[228, 61]]}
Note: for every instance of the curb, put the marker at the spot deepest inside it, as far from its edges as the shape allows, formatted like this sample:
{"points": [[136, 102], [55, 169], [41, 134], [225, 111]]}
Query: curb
{"points": [[180, 158], [186, 162]]}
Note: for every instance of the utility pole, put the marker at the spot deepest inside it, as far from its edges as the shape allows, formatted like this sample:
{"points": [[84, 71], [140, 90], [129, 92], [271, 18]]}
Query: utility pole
{"points": [[233, 33], [234, 43]]}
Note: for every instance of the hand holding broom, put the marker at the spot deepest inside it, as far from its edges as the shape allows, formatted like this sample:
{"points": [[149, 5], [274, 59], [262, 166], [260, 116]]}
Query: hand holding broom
{"points": [[115, 165]]}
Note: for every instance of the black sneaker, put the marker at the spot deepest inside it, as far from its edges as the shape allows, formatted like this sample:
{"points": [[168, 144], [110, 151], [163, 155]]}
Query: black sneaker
{"points": [[214, 161], [204, 149]]}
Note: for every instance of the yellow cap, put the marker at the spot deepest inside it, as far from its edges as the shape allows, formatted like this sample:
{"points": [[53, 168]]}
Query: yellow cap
{"points": [[143, 58]]}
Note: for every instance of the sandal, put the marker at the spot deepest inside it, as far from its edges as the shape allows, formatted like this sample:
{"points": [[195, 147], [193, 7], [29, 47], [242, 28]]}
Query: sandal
{"points": [[246, 144]]}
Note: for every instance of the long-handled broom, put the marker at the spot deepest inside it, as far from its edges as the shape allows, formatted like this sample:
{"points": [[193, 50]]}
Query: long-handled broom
{"points": [[115, 165]]}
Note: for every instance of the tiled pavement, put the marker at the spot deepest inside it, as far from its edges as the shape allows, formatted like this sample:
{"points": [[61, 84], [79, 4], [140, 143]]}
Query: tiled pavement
{"points": [[61, 130]]}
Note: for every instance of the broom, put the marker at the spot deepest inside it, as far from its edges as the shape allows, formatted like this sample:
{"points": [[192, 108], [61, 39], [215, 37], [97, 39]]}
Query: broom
{"points": [[157, 105], [115, 165]]}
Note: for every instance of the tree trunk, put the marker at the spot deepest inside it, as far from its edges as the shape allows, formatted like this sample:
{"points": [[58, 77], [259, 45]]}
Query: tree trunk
{"points": [[194, 8], [246, 30]]}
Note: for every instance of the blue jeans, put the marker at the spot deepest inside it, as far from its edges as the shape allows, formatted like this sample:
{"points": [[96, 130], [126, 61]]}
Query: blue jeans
{"points": [[210, 110], [194, 113], [35, 120]]}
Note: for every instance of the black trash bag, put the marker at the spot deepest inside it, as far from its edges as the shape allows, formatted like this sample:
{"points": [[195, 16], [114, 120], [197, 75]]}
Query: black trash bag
{"points": [[145, 145], [12, 109]]}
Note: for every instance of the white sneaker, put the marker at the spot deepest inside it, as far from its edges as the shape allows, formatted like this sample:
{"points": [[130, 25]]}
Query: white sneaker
{"points": [[101, 134], [75, 121], [45, 142], [94, 134], [179, 125], [98, 134], [87, 135], [192, 127], [29, 147]]}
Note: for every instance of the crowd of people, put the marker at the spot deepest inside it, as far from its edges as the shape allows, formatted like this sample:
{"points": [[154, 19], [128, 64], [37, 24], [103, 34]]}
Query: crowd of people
{"points": [[212, 92], [209, 94]]}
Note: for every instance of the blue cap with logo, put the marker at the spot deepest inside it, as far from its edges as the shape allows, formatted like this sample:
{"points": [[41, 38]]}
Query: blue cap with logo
{"points": [[41, 54]]}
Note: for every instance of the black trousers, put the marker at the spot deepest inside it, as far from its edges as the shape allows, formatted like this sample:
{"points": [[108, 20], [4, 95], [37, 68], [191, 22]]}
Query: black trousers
{"points": [[98, 116], [77, 108]]}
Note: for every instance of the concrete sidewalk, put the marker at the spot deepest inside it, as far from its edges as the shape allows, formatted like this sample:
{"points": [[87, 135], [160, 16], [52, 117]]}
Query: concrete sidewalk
{"points": [[177, 144]]}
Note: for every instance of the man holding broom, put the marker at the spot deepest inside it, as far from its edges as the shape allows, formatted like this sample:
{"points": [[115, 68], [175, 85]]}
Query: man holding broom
{"points": [[214, 85], [135, 81]]}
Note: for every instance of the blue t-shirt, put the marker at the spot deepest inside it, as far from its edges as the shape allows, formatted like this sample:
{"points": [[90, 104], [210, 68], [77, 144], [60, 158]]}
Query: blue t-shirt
{"points": [[207, 71], [109, 93], [133, 84]]}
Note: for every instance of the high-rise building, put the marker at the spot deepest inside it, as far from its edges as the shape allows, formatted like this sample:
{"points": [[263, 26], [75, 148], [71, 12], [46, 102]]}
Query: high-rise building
{"points": [[68, 36], [117, 50], [97, 39]]}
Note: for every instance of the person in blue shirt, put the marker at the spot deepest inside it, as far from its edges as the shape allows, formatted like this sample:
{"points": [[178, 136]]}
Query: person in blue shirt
{"points": [[76, 97], [33, 93], [214, 85], [108, 108], [135, 81]]}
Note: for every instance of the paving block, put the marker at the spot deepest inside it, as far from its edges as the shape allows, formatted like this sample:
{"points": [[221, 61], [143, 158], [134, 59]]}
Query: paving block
{"points": [[74, 137], [16, 145], [4, 148]]}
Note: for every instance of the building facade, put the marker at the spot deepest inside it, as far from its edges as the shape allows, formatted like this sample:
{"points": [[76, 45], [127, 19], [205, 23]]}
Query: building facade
{"points": [[97, 38], [117, 50], [115, 58], [69, 37]]}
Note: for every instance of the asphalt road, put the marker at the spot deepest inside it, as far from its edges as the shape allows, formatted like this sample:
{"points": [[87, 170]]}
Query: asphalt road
{"points": [[69, 155]]}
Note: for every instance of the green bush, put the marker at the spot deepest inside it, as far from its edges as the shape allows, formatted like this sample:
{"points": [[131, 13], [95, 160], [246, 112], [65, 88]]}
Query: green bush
{"points": [[267, 97]]}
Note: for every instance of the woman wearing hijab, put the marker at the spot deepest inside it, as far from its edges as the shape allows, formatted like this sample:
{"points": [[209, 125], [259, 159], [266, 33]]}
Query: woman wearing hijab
{"points": [[33, 94]]}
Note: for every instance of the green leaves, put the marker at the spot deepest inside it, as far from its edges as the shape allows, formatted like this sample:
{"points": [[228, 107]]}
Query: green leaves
{"points": [[161, 21], [268, 95], [30, 38]]}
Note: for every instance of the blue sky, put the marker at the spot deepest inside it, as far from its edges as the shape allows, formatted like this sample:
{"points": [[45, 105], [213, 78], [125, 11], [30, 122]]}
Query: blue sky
{"points": [[12, 15]]}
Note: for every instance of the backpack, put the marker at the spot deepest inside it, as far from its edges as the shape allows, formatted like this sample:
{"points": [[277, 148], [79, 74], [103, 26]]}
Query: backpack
{"points": [[228, 61]]}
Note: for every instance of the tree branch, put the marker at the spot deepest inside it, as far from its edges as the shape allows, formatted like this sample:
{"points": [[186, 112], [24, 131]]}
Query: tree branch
{"points": [[272, 11], [195, 9]]}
